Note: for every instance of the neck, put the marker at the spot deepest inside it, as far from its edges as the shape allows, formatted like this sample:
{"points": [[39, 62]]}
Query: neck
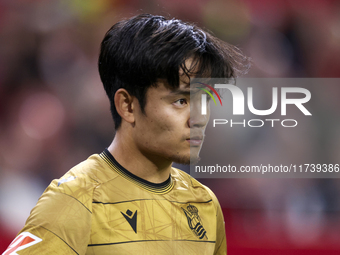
{"points": [[127, 154]]}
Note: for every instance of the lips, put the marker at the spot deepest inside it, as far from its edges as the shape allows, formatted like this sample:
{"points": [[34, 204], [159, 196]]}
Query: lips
{"points": [[195, 140]]}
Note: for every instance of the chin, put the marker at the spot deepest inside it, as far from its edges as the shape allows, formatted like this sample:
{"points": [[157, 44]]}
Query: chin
{"points": [[186, 160], [187, 157], [194, 160]]}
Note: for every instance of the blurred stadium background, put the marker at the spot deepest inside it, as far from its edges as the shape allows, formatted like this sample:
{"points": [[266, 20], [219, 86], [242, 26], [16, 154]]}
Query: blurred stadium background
{"points": [[54, 113]]}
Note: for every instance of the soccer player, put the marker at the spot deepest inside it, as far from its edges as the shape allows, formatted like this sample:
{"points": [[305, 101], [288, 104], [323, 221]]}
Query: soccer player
{"points": [[129, 199]]}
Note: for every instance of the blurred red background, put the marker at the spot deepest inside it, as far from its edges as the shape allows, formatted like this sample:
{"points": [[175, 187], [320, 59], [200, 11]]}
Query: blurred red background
{"points": [[54, 112]]}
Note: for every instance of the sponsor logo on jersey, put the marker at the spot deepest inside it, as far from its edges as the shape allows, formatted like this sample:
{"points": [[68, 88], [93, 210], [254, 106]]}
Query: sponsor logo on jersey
{"points": [[131, 219], [71, 178], [194, 222], [22, 241]]}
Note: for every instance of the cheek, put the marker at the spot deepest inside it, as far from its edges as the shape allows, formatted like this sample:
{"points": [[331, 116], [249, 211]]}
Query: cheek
{"points": [[160, 119], [163, 126], [165, 131], [153, 125], [163, 123]]}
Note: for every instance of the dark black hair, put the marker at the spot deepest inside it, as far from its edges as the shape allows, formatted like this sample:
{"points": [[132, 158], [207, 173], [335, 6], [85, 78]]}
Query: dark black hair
{"points": [[137, 52]]}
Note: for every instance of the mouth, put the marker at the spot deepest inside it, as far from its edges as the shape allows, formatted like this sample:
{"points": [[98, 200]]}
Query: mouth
{"points": [[195, 140]]}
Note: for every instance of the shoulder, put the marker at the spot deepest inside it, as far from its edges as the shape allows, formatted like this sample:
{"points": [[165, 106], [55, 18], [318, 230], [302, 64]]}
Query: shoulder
{"points": [[185, 182], [81, 177], [62, 216], [182, 176], [79, 183], [85, 176]]}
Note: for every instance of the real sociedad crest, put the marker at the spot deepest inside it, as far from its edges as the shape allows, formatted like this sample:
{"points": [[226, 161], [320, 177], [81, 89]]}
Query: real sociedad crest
{"points": [[194, 222]]}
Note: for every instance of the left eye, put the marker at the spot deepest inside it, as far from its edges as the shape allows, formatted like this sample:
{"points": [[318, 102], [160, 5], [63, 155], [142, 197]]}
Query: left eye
{"points": [[181, 101]]}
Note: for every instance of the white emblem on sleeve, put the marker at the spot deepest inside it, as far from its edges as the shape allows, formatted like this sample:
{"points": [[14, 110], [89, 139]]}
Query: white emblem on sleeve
{"points": [[21, 242]]}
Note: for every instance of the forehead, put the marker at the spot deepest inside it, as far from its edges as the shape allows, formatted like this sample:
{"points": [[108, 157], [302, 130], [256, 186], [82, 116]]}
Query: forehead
{"points": [[186, 85], [193, 79], [185, 88]]}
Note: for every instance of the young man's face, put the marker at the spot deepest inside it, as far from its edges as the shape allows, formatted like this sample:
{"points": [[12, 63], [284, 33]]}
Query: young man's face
{"points": [[172, 128]]}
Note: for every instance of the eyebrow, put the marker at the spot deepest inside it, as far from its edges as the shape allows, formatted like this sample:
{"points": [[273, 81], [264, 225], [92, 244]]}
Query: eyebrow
{"points": [[186, 92], [181, 92]]}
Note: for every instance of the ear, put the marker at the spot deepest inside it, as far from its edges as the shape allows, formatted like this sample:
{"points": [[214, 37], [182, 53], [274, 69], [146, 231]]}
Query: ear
{"points": [[124, 103]]}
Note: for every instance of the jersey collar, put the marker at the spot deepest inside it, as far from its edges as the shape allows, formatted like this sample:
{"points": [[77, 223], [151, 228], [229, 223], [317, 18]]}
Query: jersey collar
{"points": [[158, 188]]}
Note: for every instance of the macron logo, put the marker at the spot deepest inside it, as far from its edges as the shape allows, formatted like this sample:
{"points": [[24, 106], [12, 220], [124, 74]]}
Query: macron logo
{"points": [[131, 219]]}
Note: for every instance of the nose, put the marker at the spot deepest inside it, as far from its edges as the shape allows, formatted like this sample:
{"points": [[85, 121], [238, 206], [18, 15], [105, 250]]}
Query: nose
{"points": [[197, 119]]}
